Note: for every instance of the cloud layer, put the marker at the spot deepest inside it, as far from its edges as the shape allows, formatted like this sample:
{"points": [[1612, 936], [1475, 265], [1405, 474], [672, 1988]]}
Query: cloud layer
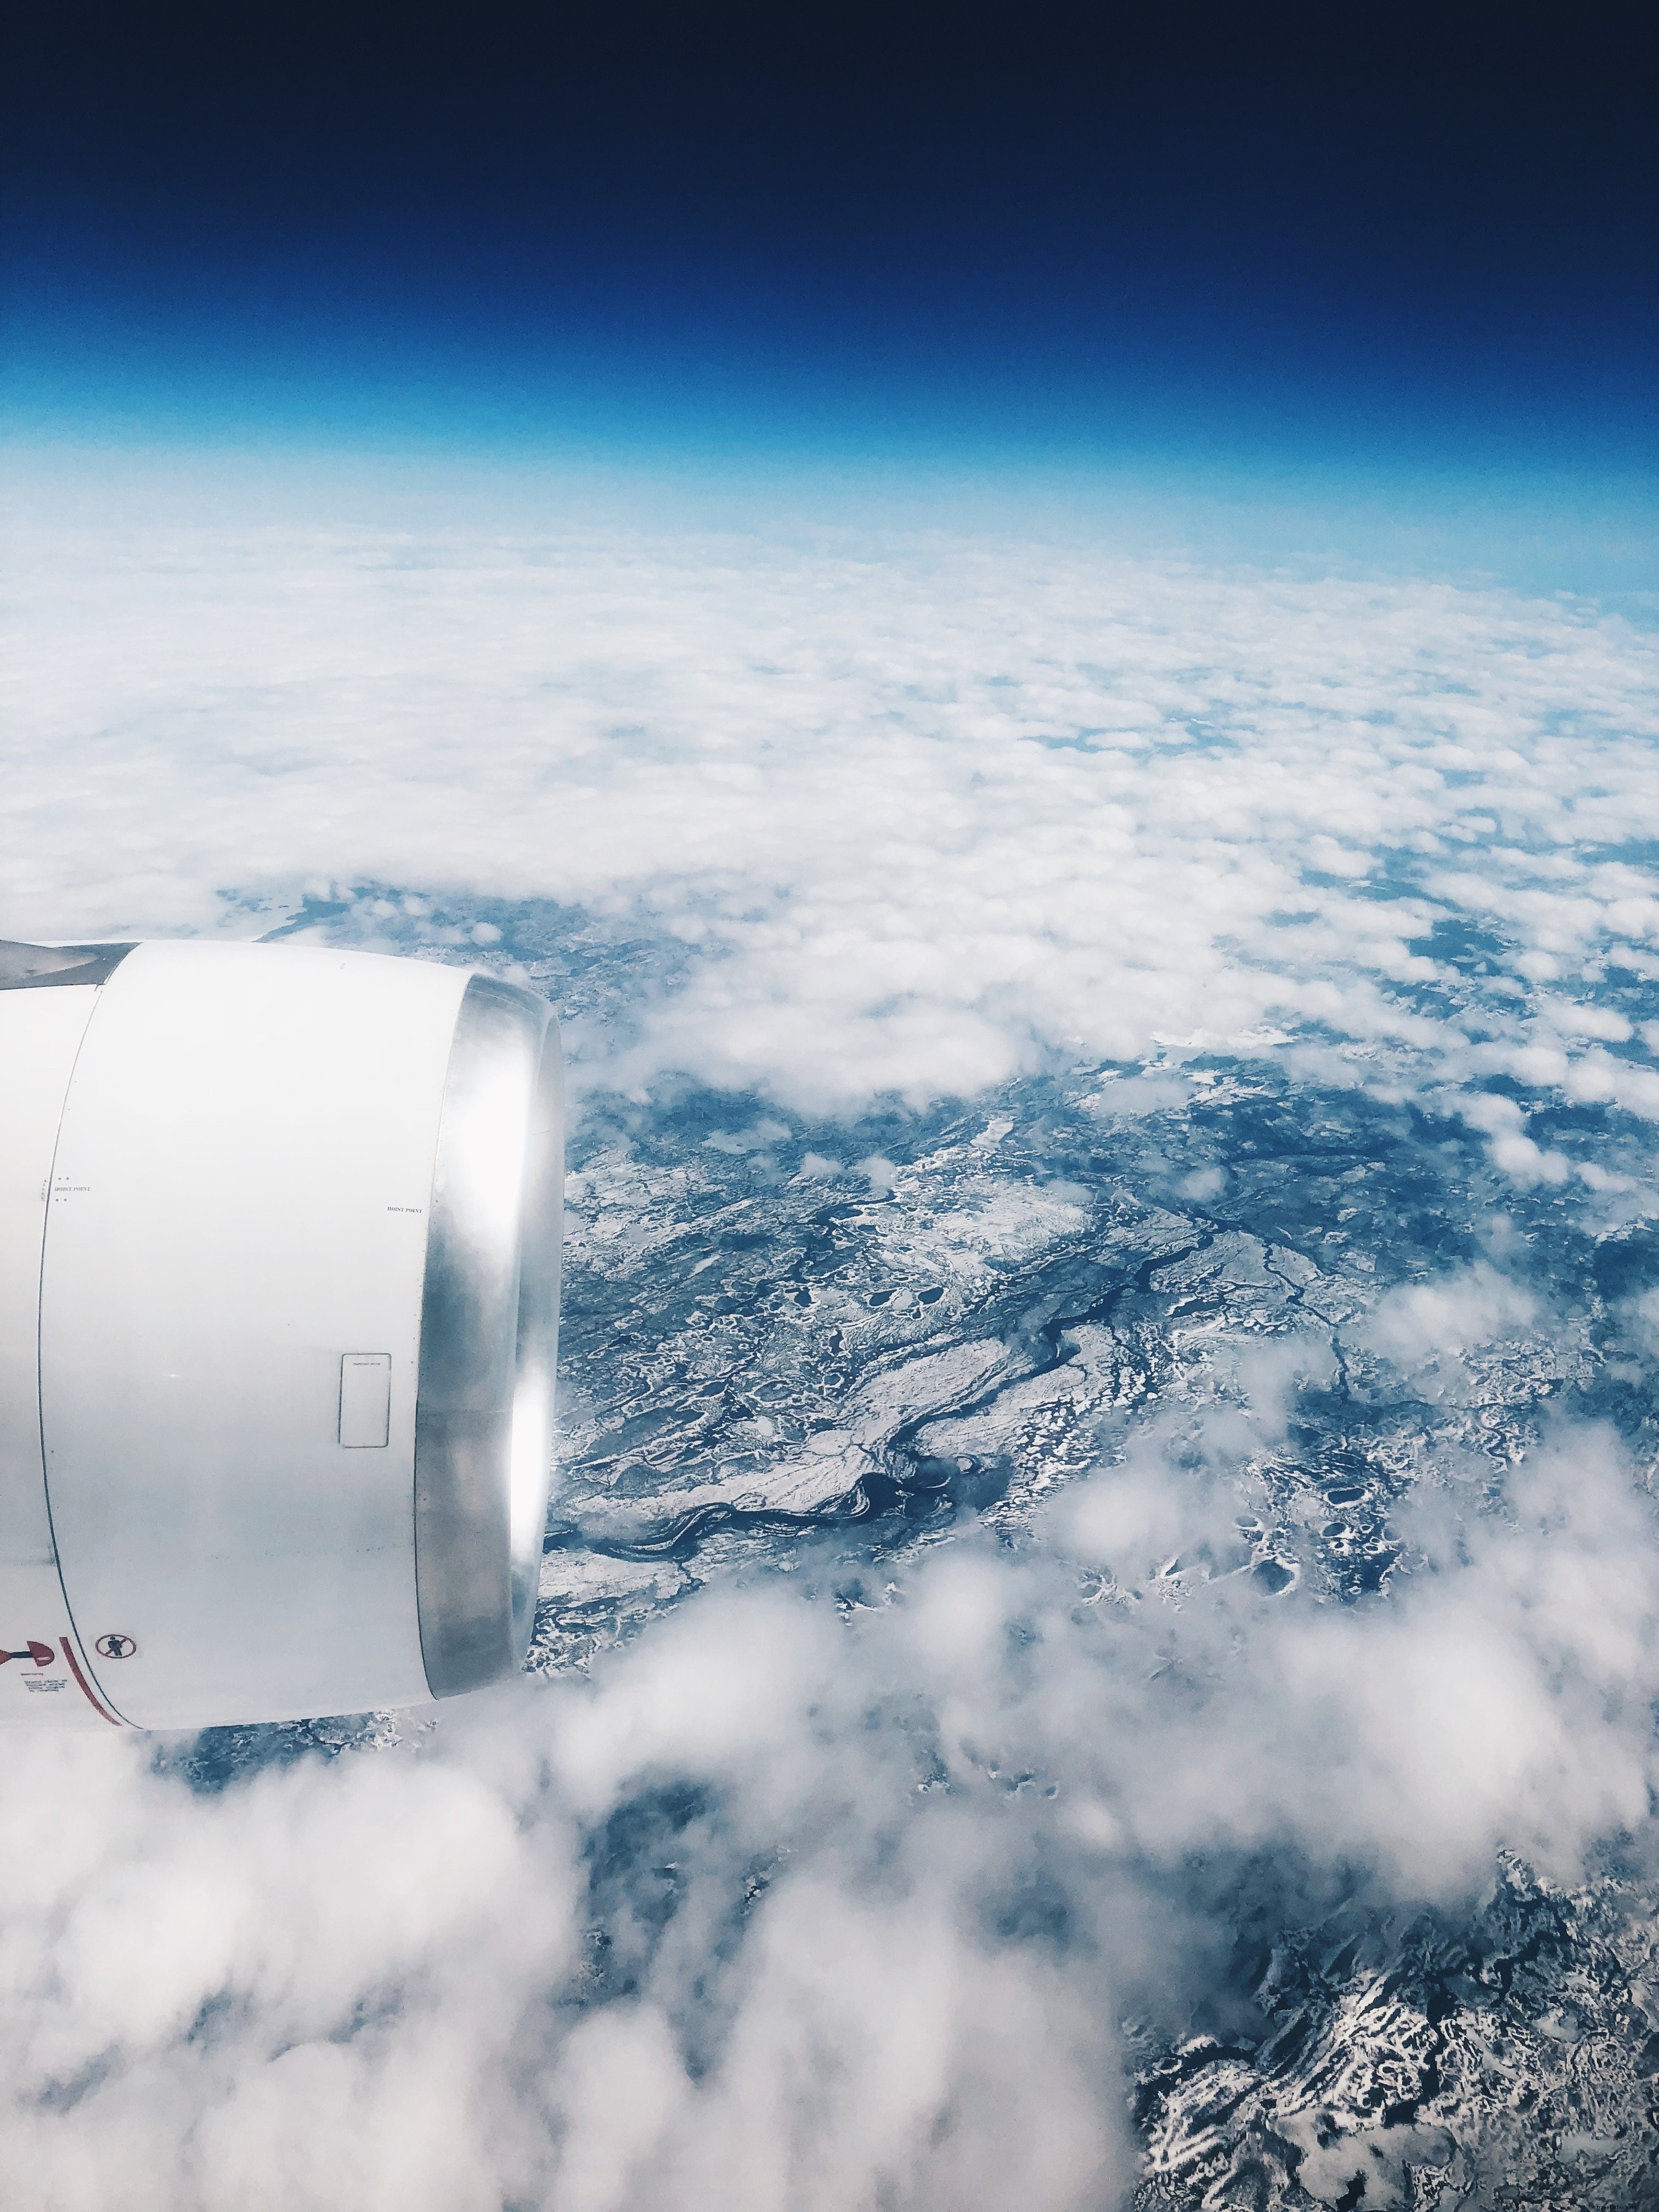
{"points": [[922, 811]]}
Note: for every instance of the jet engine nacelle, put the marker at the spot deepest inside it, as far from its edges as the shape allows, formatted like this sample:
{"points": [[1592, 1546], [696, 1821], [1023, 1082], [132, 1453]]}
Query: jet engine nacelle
{"points": [[279, 1276]]}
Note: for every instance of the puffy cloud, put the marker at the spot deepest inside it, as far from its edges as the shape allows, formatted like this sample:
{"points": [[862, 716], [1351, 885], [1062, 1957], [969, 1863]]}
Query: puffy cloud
{"points": [[788, 1909]]}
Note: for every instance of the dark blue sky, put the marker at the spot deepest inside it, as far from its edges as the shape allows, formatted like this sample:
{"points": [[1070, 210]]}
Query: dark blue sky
{"points": [[1316, 240]]}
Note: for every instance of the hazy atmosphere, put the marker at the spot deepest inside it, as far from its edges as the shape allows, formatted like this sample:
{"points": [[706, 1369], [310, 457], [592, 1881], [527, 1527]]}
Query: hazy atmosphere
{"points": [[1047, 648]]}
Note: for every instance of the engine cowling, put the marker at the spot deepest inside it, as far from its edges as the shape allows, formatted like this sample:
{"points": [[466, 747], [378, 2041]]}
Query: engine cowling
{"points": [[279, 1275]]}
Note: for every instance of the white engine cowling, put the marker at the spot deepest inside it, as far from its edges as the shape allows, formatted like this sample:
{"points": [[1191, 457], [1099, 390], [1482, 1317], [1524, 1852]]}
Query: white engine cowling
{"points": [[279, 1275]]}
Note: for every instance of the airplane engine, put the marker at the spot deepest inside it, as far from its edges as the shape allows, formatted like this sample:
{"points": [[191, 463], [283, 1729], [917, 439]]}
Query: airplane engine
{"points": [[279, 1280]]}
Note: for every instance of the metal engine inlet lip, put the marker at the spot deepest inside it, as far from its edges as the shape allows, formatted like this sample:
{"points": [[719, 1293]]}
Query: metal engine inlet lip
{"points": [[488, 1340]]}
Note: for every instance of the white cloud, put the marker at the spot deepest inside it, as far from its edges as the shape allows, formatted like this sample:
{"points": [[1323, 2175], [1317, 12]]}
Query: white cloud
{"points": [[1441, 1319], [907, 1872], [922, 810]]}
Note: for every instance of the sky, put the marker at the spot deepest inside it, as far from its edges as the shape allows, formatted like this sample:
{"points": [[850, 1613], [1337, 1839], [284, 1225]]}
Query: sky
{"points": [[1406, 246], [990, 604]]}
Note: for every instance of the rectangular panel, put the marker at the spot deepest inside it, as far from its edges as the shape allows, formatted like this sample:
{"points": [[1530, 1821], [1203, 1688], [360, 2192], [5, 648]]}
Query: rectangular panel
{"points": [[365, 1399]]}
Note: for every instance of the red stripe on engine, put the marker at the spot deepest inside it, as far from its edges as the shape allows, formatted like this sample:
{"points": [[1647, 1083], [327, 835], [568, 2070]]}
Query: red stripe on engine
{"points": [[91, 1695]]}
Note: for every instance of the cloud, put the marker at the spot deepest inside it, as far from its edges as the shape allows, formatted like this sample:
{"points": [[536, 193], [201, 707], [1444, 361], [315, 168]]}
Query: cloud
{"points": [[918, 813], [1437, 1321], [779, 1907]]}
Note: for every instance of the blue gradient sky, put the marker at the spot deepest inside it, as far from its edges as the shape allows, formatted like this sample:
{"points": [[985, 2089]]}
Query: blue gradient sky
{"points": [[1263, 246]]}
